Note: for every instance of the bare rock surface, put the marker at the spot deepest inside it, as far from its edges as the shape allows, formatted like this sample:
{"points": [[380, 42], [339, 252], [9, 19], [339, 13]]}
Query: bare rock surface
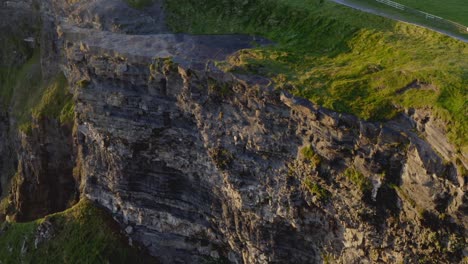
{"points": [[188, 50]]}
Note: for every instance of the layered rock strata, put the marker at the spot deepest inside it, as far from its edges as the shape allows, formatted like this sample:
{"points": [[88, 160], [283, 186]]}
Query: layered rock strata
{"points": [[197, 164]]}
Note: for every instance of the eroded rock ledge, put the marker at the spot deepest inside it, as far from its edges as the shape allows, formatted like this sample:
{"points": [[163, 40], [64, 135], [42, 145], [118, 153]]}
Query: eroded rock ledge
{"points": [[195, 163]]}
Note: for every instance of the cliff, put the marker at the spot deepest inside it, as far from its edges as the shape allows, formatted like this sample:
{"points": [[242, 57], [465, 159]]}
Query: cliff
{"points": [[196, 164]]}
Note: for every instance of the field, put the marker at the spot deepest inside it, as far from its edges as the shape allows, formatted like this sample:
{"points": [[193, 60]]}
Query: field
{"points": [[340, 58], [455, 10]]}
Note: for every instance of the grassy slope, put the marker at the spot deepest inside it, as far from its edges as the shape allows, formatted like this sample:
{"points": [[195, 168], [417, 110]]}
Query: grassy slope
{"points": [[455, 10], [20, 83], [56, 101], [24, 92], [83, 234], [343, 59]]}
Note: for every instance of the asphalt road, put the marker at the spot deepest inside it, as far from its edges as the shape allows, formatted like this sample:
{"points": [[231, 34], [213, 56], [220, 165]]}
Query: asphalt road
{"points": [[387, 15]]}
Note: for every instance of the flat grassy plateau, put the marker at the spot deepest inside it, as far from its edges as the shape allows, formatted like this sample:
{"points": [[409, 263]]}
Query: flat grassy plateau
{"points": [[340, 58]]}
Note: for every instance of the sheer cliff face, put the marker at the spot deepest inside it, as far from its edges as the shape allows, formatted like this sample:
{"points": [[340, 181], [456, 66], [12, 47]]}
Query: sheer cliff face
{"points": [[205, 163], [44, 180], [195, 163]]}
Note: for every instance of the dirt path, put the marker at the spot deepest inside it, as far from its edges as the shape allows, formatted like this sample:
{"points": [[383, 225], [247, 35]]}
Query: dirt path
{"points": [[398, 18]]}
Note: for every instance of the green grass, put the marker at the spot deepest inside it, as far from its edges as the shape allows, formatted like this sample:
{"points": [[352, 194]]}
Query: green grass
{"points": [[340, 58], [20, 85], [24, 92], [318, 191], [309, 155], [356, 177], [83, 234], [56, 102], [455, 10]]}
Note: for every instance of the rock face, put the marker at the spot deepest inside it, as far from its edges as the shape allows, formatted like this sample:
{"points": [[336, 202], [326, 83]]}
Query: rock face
{"points": [[7, 166], [204, 163], [44, 180], [197, 164], [19, 21], [36, 166]]}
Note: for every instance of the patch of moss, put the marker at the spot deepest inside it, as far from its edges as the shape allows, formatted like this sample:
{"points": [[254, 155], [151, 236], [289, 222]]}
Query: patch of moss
{"points": [[309, 154], [317, 190], [219, 88], [83, 83], [26, 128], [56, 102], [82, 234], [358, 179], [327, 258], [4, 205]]}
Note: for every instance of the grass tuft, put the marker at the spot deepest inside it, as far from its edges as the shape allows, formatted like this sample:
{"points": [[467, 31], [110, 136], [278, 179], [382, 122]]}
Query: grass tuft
{"points": [[317, 190], [56, 102], [358, 179], [309, 155]]}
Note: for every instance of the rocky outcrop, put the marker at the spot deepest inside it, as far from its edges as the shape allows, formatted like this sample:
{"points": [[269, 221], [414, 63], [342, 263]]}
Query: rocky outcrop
{"points": [[37, 159], [7, 162], [19, 22], [44, 180], [197, 164]]}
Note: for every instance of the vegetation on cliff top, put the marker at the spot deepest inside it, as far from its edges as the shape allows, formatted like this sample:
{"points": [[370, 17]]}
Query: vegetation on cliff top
{"points": [[340, 58], [81, 234]]}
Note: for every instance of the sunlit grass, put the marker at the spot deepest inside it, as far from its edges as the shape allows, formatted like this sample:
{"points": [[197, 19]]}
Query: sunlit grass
{"points": [[343, 59], [82, 234]]}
